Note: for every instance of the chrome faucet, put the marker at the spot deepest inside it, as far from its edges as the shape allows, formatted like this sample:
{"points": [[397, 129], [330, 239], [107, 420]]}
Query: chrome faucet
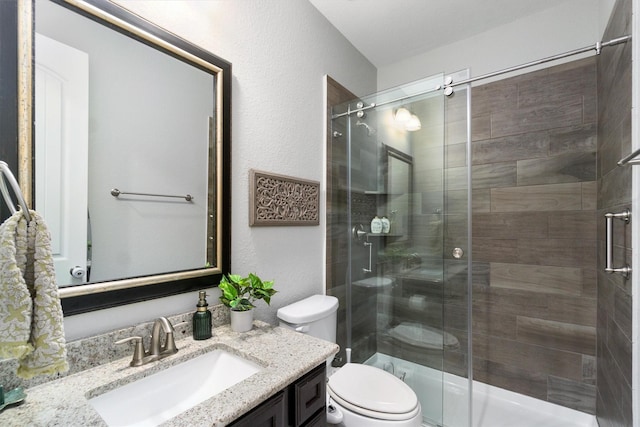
{"points": [[156, 351]]}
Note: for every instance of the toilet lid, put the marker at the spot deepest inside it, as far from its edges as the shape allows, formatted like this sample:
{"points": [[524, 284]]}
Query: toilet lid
{"points": [[367, 389]]}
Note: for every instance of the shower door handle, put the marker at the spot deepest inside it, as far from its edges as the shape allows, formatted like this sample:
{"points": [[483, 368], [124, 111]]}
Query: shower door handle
{"points": [[609, 217]]}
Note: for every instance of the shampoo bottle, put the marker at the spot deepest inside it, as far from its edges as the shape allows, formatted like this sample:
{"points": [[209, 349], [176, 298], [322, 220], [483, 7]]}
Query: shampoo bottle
{"points": [[202, 319], [386, 225], [376, 225]]}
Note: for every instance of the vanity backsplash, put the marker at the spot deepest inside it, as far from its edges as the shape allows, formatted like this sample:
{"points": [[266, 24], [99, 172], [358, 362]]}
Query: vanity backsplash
{"points": [[87, 353]]}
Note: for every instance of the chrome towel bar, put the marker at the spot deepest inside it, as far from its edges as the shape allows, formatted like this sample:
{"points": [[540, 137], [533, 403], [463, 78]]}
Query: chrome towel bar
{"points": [[609, 217], [115, 193], [630, 159]]}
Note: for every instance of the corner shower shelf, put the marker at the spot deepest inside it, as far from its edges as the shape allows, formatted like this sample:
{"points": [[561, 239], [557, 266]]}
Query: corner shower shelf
{"points": [[383, 235]]}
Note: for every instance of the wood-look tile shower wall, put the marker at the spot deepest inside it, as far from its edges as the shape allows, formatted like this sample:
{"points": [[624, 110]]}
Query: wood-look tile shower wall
{"points": [[614, 404], [534, 233]]}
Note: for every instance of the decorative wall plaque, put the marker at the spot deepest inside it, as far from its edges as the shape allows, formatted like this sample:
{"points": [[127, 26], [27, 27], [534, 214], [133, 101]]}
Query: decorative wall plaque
{"points": [[282, 200]]}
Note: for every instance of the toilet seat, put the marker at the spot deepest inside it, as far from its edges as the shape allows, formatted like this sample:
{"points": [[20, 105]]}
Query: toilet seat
{"points": [[372, 392]]}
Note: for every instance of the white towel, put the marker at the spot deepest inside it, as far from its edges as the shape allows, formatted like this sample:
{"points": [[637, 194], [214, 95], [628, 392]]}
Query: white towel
{"points": [[31, 306]]}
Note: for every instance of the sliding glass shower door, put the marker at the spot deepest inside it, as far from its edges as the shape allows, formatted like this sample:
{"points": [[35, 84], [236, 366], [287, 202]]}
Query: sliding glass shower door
{"points": [[407, 243]]}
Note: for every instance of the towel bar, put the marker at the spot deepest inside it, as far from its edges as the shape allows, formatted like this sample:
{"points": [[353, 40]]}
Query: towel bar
{"points": [[115, 193], [630, 159]]}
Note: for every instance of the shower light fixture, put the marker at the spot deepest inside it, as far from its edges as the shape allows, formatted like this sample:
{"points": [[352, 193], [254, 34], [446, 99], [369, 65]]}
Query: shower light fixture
{"points": [[402, 115], [407, 120], [413, 124]]}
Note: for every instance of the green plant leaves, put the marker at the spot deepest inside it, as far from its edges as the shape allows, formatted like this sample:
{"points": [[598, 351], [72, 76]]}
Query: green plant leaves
{"points": [[239, 293]]}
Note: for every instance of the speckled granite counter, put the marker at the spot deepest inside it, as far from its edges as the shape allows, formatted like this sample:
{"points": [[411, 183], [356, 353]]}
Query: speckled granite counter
{"points": [[284, 354]]}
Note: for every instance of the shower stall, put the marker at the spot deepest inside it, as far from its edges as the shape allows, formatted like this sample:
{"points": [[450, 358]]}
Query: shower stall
{"points": [[400, 224]]}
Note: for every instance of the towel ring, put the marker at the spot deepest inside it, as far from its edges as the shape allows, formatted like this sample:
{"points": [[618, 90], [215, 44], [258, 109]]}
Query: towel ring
{"points": [[4, 168]]}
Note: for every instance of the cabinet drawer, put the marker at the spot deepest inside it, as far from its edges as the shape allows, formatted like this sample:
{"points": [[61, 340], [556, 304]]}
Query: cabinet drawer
{"points": [[310, 394], [269, 414]]}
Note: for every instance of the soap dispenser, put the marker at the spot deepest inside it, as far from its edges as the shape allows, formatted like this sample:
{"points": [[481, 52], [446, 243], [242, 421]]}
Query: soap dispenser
{"points": [[202, 319]]}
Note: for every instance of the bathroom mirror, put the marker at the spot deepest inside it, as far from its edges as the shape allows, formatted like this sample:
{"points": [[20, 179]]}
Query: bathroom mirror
{"points": [[398, 169], [151, 113]]}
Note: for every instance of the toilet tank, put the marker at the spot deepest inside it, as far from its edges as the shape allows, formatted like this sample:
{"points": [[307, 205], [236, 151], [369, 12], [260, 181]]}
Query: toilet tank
{"points": [[316, 315]]}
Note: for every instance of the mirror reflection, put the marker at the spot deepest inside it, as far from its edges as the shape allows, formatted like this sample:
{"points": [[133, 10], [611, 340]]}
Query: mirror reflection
{"points": [[114, 113]]}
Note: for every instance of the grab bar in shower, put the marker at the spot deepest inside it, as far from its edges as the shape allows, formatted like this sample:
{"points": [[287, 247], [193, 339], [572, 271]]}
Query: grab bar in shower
{"points": [[115, 193], [368, 270], [609, 217]]}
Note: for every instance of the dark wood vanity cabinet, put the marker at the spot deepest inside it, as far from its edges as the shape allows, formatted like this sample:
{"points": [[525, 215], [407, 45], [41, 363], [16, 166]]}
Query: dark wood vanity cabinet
{"points": [[301, 404]]}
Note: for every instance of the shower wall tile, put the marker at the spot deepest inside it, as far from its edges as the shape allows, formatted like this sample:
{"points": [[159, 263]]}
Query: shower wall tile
{"points": [[527, 225], [572, 224], [589, 196], [550, 197], [590, 283], [580, 310], [557, 252], [488, 99], [481, 200], [623, 311], [490, 175], [535, 236], [568, 112], [498, 250], [571, 167], [614, 356], [481, 127], [456, 132], [559, 335], [575, 394], [486, 322], [457, 154], [455, 201], [581, 139], [509, 301], [511, 148], [553, 85], [589, 369], [537, 278]]}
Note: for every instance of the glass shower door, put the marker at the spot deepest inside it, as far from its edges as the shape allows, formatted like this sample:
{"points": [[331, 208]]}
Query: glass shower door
{"points": [[399, 189]]}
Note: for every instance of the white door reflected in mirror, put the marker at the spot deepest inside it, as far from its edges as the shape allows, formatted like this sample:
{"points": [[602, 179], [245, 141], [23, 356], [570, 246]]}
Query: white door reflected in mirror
{"points": [[61, 146]]}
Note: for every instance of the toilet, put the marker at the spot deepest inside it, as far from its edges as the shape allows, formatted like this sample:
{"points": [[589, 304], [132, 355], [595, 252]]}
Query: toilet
{"points": [[358, 395]]}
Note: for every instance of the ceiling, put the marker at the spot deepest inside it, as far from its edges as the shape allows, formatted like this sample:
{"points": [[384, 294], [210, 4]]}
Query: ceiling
{"points": [[388, 31]]}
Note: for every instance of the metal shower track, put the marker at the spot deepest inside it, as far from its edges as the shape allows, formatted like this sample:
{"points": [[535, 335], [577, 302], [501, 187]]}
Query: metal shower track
{"points": [[597, 48]]}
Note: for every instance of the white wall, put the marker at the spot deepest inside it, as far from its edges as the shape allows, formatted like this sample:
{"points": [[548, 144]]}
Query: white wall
{"points": [[280, 52], [568, 26]]}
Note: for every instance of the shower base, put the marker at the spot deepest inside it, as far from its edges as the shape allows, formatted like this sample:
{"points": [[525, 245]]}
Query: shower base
{"points": [[492, 406]]}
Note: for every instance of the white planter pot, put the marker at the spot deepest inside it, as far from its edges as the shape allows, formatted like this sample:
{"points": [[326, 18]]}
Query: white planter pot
{"points": [[241, 321]]}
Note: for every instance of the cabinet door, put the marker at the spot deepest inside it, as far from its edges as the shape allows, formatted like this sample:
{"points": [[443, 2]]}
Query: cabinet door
{"points": [[320, 420], [271, 413], [310, 394]]}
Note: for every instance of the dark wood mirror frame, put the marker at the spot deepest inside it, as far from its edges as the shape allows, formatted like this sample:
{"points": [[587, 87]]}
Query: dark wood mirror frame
{"points": [[16, 139]]}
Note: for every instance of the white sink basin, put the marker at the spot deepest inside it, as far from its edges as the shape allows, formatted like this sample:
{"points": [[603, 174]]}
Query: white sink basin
{"points": [[152, 400]]}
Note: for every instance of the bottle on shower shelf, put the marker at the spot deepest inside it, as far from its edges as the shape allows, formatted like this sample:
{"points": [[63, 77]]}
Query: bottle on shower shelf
{"points": [[386, 225], [376, 225]]}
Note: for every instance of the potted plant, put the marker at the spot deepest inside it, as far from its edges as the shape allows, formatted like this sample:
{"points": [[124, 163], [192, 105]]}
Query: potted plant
{"points": [[239, 293]]}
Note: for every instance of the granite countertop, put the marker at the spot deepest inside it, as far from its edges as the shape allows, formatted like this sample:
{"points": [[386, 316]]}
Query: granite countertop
{"points": [[284, 354]]}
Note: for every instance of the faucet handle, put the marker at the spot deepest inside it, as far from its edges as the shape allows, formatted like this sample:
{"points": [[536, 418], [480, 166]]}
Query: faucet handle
{"points": [[138, 350], [170, 341]]}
